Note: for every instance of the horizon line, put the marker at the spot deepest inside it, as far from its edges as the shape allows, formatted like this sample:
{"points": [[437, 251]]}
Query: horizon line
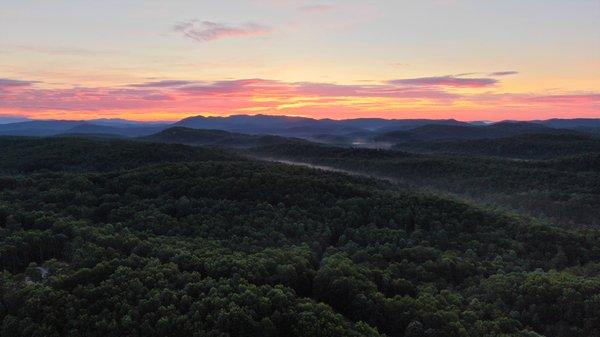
{"points": [[28, 119]]}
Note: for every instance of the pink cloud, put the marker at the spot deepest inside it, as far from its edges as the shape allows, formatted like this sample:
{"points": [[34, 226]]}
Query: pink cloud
{"points": [[218, 96], [244, 86], [248, 87], [183, 97], [329, 89], [567, 99], [316, 8], [162, 84], [11, 83], [503, 73], [516, 99], [449, 81], [209, 31]]}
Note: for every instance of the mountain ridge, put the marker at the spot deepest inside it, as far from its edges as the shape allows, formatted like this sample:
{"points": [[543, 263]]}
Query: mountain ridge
{"points": [[289, 126]]}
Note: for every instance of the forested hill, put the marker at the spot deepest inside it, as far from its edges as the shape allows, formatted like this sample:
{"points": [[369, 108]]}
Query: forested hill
{"points": [[183, 135], [432, 132], [22, 154], [565, 190], [529, 146], [217, 246]]}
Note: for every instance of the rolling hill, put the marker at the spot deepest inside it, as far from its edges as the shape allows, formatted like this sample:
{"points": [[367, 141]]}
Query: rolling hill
{"points": [[121, 130], [527, 146], [138, 238], [355, 130], [44, 128], [565, 190], [440, 132], [183, 135], [24, 155], [302, 126], [189, 136]]}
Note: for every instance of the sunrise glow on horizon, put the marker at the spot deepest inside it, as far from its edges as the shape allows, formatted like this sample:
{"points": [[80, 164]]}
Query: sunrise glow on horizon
{"points": [[440, 59]]}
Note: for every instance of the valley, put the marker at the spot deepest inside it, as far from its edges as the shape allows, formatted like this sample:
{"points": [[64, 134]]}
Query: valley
{"points": [[255, 234]]}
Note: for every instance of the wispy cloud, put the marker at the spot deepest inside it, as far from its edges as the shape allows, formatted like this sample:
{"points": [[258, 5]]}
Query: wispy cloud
{"points": [[162, 84], [318, 8], [250, 87], [465, 74], [503, 73], [218, 96], [448, 81], [9, 83], [567, 99], [176, 97], [209, 31]]}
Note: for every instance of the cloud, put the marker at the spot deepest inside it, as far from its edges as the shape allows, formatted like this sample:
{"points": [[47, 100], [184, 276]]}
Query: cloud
{"points": [[237, 87], [177, 98], [343, 90], [162, 84], [10, 83], [250, 87], [209, 31], [316, 8], [567, 98], [464, 74], [448, 81], [587, 99], [225, 95], [503, 73]]}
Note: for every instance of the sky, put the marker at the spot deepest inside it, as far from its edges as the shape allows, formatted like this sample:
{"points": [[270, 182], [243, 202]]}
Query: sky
{"points": [[165, 60]]}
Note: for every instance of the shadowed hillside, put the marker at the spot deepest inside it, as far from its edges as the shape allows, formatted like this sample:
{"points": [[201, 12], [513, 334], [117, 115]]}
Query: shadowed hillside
{"points": [[188, 136], [22, 155], [204, 243], [530, 146], [441, 132], [565, 189]]}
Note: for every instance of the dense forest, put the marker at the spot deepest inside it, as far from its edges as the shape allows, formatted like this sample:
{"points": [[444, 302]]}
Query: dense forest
{"points": [[565, 190], [529, 146], [124, 238], [220, 138]]}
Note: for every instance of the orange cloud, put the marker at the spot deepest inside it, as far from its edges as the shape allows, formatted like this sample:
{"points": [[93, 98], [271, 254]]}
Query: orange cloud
{"points": [[449, 81], [174, 99], [208, 31]]}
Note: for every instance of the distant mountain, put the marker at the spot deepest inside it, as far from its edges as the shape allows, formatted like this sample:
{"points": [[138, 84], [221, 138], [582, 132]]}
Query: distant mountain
{"points": [[310, 130], [247, 124], [572, 123], [481, 123], [302, 126], [44, 128], [97, 136], [409, 124], [528, 146], [125, 130], [4, 119], [86, 128], [39, 128], [188, 136], [390, 129], [375, 124], [503, 129], [119, 122], [440, 132]]}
